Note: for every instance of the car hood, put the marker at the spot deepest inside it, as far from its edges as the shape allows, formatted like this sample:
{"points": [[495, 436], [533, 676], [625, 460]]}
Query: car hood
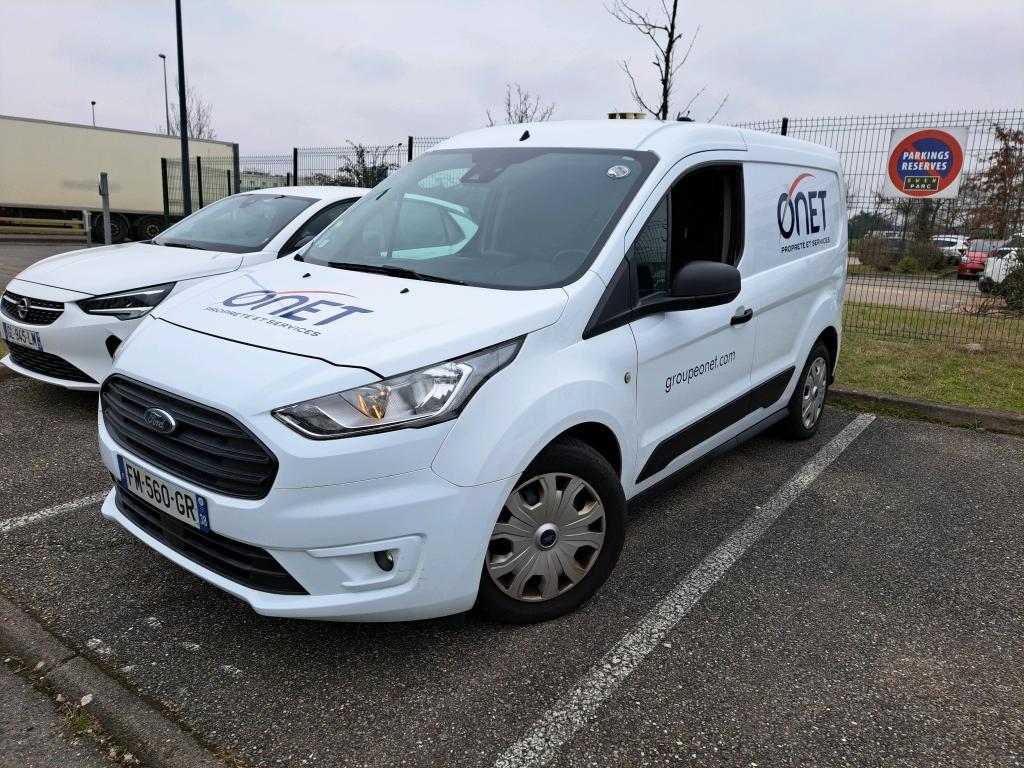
{"points": [[388, 325], [123, 267]]}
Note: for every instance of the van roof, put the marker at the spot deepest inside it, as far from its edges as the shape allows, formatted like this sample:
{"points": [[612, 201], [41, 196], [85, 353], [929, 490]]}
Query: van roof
{"points": [[665, 138]]}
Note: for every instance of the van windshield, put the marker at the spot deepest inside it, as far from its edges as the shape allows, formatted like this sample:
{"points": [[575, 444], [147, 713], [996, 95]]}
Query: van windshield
{"points": [[513, 218]]}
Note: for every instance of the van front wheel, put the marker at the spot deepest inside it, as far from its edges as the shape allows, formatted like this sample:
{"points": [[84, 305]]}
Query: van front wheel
{"points": [[557, 537], [808, 400]]}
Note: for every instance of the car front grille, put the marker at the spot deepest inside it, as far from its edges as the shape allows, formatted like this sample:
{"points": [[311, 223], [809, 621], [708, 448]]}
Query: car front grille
{"points": [[209, 448], [40, 312], [242, 563], [47, 364]]}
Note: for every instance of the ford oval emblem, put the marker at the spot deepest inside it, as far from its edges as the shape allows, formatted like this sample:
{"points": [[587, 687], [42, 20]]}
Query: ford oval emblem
{"points": [[160, 421]]}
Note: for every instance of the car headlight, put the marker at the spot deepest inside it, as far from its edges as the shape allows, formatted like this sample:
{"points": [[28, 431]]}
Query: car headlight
{"points": [[426, 396], [964, 259], [127, 305]]}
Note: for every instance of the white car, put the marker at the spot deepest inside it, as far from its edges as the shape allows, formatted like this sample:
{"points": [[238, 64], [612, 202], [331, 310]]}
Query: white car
{"points": [[952, 246], [448, 397], [64, 317], [1000, 262]]}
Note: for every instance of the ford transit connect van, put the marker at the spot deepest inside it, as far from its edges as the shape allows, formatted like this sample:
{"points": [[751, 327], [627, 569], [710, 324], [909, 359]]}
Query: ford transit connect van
{"points": [[447, 399]]}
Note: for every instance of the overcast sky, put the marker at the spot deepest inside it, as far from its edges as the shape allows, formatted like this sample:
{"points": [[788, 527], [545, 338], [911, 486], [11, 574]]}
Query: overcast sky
{"points": [[317, 72]]}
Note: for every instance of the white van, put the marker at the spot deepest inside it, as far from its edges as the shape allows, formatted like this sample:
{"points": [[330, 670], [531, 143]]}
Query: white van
{"points": [[448, 397]]}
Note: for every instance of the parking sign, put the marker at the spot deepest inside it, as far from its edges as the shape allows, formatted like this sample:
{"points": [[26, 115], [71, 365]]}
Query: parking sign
{"points": [[925, 162]]}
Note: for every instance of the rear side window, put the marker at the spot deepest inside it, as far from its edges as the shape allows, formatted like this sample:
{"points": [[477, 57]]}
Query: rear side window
{"points": [[319, 221]]}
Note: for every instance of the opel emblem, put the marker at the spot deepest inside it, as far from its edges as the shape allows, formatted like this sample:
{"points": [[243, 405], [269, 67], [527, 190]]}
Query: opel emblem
{"points": [[160, 421], [23, 307]]}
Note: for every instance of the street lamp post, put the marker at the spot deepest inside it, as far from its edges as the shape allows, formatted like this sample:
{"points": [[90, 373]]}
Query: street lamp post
{"points": [[93, 103], [186, 172], [167, 103]]}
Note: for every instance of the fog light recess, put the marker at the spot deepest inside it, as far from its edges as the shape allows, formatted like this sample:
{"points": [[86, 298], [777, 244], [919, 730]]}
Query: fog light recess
{"points": [[385, 560]]}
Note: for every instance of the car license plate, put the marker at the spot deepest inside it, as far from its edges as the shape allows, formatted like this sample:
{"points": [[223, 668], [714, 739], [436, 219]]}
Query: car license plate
{"points": [[188, 507], [22, 337]]}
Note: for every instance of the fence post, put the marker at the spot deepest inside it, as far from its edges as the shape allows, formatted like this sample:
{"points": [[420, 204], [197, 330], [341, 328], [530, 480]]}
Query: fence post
{"points": [[87, 226], [229, 181], [234, 167], [295, 166], [199, 178], [785, 126], [105, 198], [410, 149], [167, 200]]}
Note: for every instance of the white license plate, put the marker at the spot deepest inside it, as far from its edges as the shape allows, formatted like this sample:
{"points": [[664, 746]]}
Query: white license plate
{"points": [[22, 337], [188, 507]]}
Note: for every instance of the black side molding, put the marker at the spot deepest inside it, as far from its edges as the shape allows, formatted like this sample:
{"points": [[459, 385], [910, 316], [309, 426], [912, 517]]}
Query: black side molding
{"points": [[760, 396]]}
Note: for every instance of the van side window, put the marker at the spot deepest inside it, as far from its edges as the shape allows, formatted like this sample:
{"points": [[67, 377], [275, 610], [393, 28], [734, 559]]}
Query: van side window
{"points": [[700, 219], [649, 252], [707, 216]]}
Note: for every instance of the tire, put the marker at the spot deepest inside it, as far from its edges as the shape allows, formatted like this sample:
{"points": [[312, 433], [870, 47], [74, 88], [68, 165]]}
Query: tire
{"points": [[149, 227], [579, 559], [119, 229], [808, 400]]}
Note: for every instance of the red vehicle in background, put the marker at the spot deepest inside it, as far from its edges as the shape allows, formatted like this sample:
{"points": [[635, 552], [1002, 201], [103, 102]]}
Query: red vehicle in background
{"points": [[972, 263]]}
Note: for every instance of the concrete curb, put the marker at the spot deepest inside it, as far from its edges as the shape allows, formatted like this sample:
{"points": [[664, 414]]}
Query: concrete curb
{"points": [[954, 415], [155, 739]]}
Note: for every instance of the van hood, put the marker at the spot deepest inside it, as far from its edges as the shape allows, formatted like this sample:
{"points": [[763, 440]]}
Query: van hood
{"points": [[388, 325], [123, 267]]}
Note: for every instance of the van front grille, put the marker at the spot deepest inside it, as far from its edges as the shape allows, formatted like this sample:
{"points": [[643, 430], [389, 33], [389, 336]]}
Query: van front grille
{"points": [[208, 447]]}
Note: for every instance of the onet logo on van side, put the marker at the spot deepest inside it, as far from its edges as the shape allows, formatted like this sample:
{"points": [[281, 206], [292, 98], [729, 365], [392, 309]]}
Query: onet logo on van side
{"points": [[796, 207]]}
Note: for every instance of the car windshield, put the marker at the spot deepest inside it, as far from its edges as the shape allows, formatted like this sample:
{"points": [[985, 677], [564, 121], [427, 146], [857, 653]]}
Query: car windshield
{"points": [[513, 218], [237, 224]]}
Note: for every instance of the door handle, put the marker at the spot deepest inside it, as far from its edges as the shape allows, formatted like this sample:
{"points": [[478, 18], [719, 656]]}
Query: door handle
{"points": [[742, 316]]}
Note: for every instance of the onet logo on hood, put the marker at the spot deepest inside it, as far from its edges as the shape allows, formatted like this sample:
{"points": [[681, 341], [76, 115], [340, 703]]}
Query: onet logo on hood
{"points": [[796, 208], [296, 306]]}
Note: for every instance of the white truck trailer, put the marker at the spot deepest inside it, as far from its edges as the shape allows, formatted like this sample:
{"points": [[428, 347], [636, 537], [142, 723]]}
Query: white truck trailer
{"points": [[49, 173]]}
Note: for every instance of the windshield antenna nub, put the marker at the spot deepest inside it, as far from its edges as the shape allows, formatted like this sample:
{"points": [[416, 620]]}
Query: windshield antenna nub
{"points": [[525, 136]]}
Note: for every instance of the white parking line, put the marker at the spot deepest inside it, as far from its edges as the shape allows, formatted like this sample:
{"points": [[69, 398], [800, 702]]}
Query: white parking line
{"points": [[56, 509], [560, 723]]}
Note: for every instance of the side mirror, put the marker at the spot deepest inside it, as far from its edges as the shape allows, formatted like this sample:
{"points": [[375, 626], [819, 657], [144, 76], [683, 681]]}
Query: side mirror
{"points": [[704, 284]]}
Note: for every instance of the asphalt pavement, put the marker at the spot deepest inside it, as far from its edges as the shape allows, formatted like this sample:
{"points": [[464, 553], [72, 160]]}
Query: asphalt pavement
{"points": [[878, 621]]}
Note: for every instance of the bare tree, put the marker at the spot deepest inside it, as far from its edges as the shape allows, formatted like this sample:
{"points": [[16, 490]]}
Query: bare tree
{"points": [[522, 107], [198, 115], [664, 33]]}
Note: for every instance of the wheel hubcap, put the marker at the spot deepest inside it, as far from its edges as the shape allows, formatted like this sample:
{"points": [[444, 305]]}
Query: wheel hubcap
{"points": [[815, 385], [547, 538]]}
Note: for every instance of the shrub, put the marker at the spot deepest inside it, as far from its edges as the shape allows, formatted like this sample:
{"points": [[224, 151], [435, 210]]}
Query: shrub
{"points": [[907, 265], [926, 255], [876, 252]]}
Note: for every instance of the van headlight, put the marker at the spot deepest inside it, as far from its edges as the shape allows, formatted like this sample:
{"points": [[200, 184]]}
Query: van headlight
{"points": [[127, 305], [426, 396]]}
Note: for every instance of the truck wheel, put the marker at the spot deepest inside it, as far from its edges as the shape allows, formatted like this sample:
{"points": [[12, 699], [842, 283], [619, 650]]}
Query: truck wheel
{"points": [[808, 400], [119, 229], [149, 227], [557, 538]]}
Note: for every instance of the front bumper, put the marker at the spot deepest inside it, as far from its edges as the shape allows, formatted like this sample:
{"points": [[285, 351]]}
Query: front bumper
{"points": [[76, 337], [325, 537]]}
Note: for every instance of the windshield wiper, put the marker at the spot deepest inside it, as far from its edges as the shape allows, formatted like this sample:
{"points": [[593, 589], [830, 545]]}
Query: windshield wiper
{"points": [[385, 269], [180, 244]]}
